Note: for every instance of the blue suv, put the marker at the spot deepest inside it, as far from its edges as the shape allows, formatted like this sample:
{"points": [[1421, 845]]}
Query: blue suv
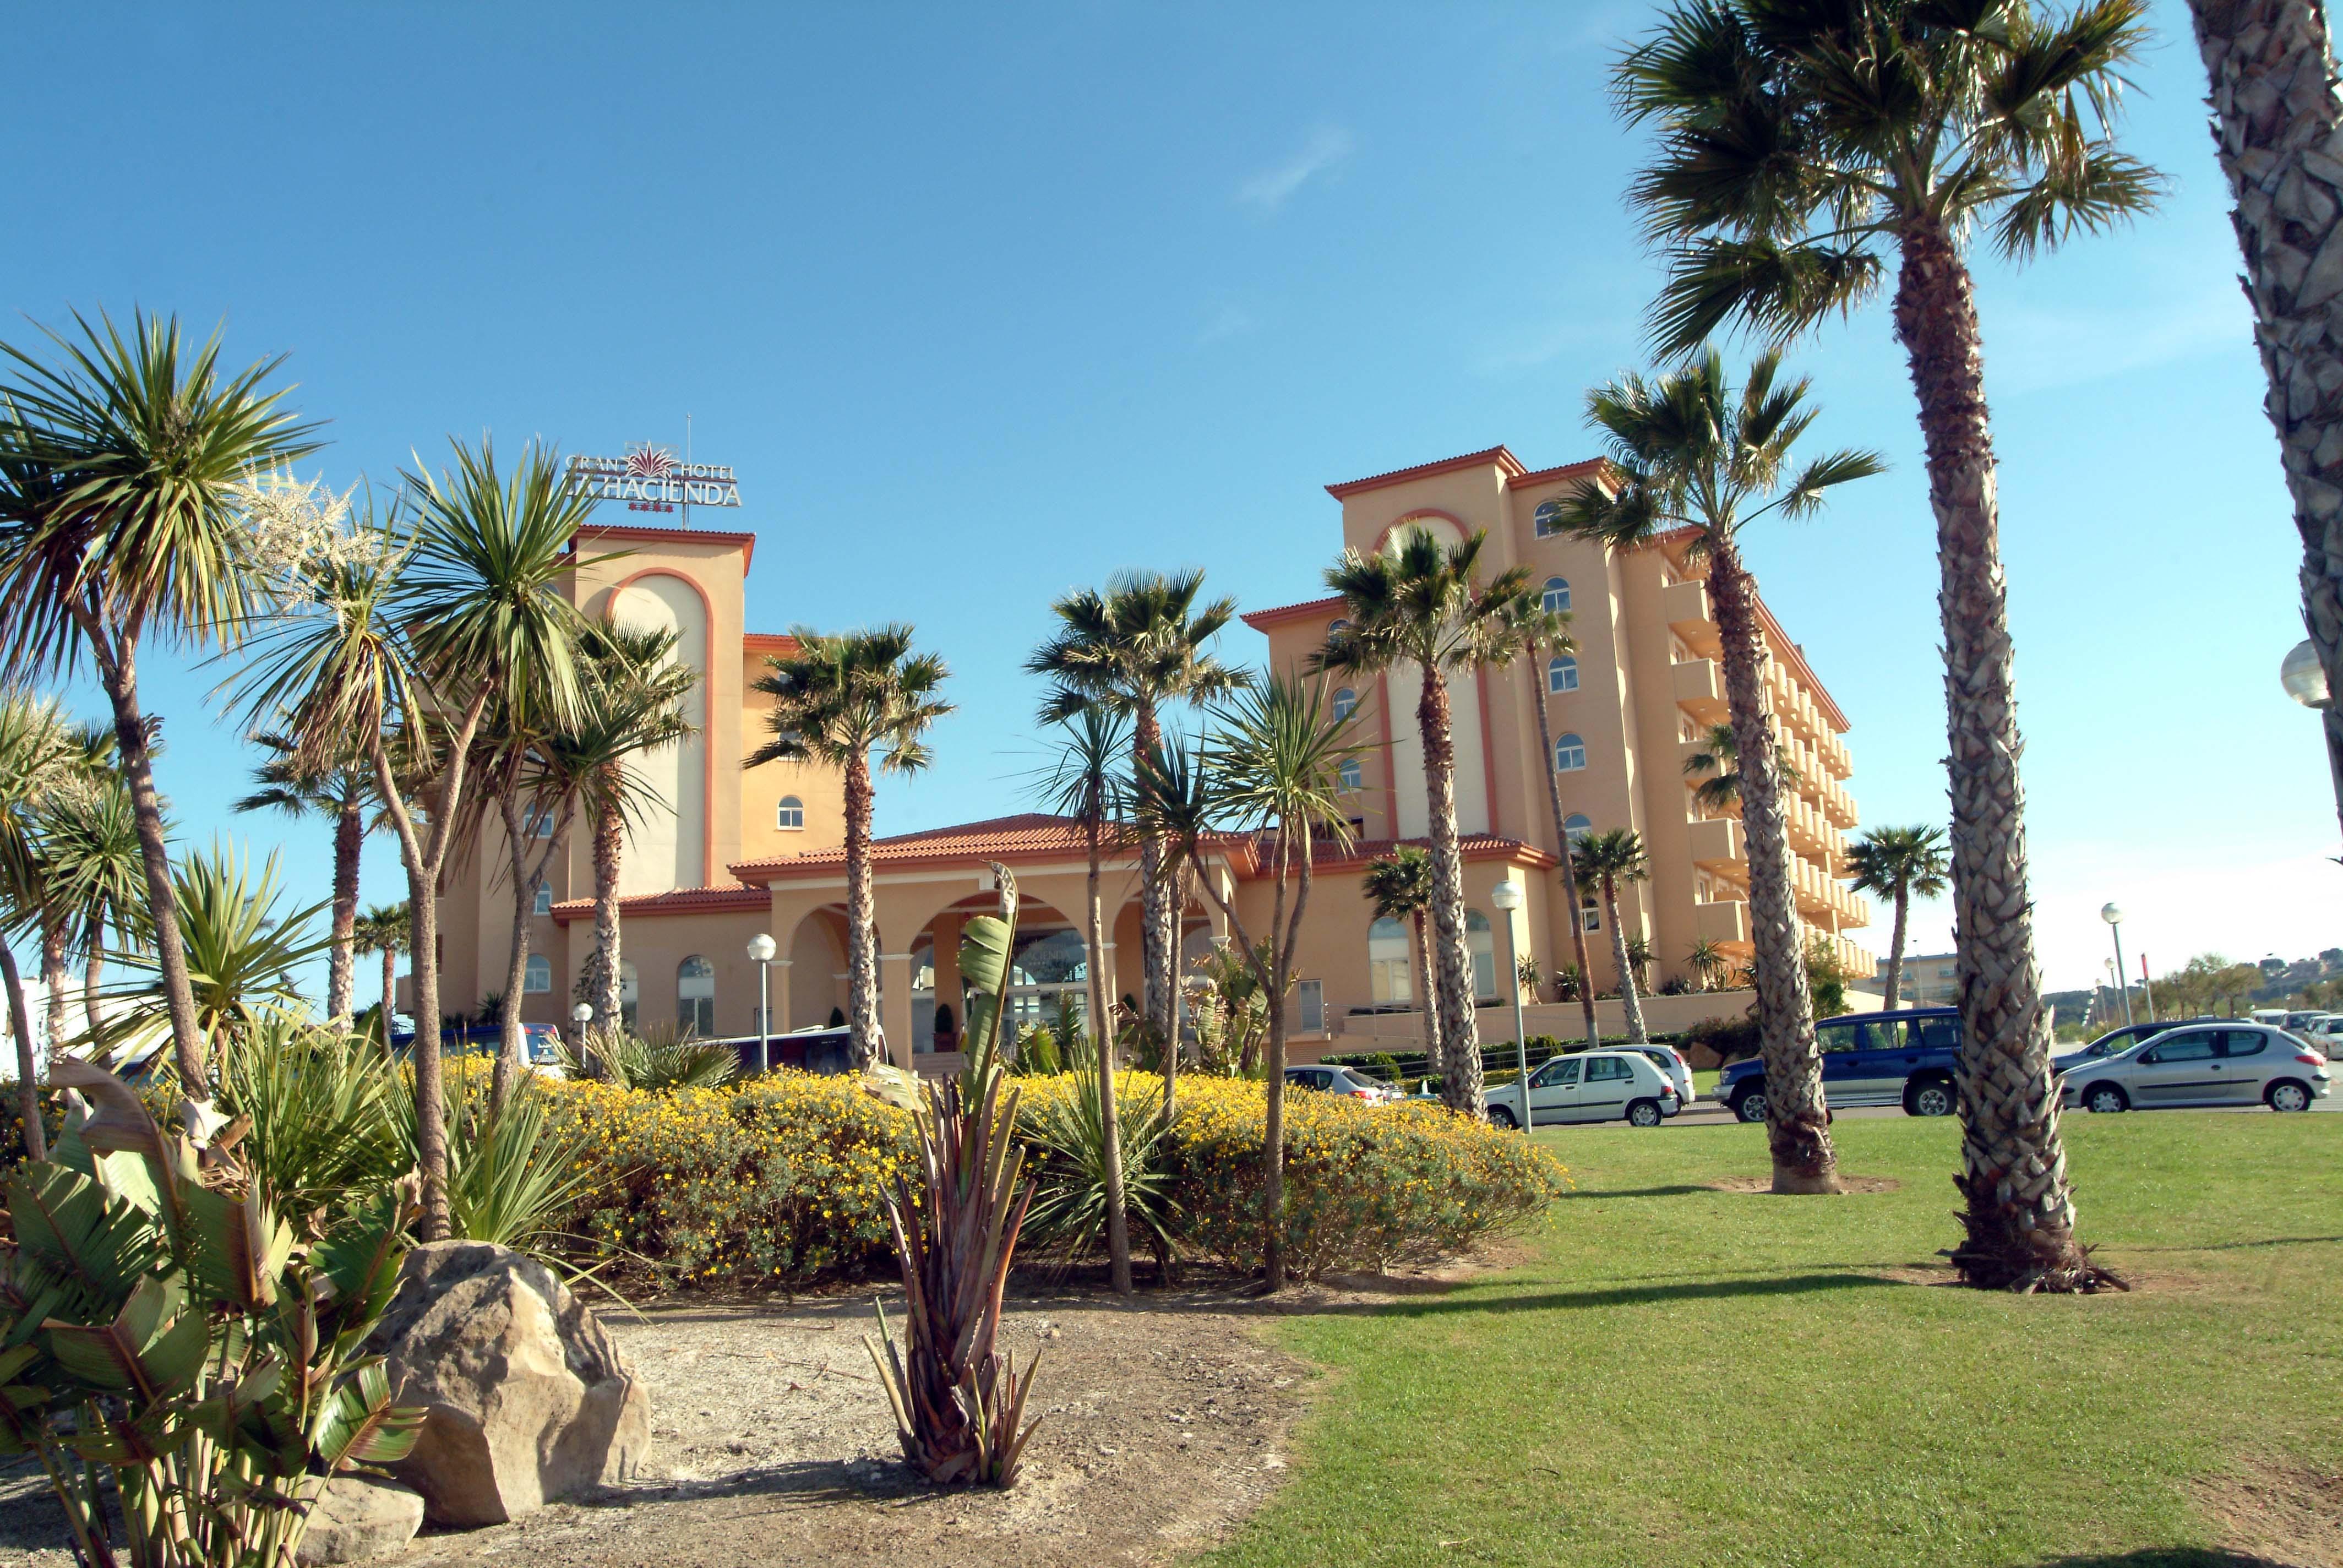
{"points": [[1903, 1058]]}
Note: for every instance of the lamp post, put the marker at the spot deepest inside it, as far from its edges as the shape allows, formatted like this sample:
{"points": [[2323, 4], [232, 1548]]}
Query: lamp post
{"points": [[760, 952], [2113, 917], [1507, 895], [2305, 680], [580, 1016]]}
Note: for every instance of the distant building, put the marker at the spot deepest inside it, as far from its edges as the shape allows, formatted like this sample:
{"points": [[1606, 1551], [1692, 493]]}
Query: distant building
{"points": [[1927, 980]]}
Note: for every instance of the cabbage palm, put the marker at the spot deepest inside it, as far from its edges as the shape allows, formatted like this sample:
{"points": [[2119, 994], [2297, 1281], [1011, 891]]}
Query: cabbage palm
{"points": [[1422, 603], [1897, 863], [1800, 139], [341, 791], [1548, 631], [1399, 887], [1605, 860], [117, 462], [836, 700], [1717, 765], [1138, 647], [1084, 782], [1688, 451], [1707, 959], [1271, 767]]}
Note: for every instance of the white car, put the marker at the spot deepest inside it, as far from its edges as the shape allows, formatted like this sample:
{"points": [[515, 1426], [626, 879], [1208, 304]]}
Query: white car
{"points": [[1348, 1081], [1673, 1068], [1589, 1086]]}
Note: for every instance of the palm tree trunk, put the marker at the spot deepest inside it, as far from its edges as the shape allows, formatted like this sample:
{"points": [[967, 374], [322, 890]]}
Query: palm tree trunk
{"points": [[53, 980], [1798, 1118], [1619, 959], [1562, 842], [511, 1042], [93, 975], [1273, 1138], [1179, 873], [29, 1068], [1158, 996], [2020, 1213], [349, 835], [609, 845], [861, 958], [1895, 946], [1423, 1001], [1117, 1220], [390, 986], [2276, 116], [1460, 1031]]}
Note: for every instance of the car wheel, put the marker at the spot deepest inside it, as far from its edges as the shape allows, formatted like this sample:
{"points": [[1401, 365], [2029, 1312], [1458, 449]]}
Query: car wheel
{"points": [[1931, 1097], [2105, 1098], [1643, 1114], [2287, 1095], [1502, 1116], [1749, 1105]]}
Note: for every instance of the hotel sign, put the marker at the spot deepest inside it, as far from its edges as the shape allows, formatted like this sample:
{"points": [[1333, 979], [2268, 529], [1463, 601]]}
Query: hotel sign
{"points": [[649, 479]]}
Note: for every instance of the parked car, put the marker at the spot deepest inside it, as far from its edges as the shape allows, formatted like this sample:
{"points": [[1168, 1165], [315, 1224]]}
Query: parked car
{"points": [[1906, 1058], [819, 1049], [542, 1041], [2233, 1064], [1673, 1068], [1344, 1080], [2303, 1022], [2122, 1039], [1589, 1086]]}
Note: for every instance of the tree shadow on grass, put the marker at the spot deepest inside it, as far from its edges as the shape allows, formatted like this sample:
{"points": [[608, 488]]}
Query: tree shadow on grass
{"points": [[2166, 1557], [1622, 1296], [1678, 1189]]}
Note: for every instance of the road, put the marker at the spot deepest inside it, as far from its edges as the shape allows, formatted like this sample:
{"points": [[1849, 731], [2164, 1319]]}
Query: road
{"points": [[1714, 1112]]}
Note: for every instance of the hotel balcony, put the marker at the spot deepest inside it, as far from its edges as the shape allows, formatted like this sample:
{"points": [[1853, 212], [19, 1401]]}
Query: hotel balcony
{"points": [[1717, 845], [1686, 608], [1838, 806], [1700, 688], [1726, 920]]}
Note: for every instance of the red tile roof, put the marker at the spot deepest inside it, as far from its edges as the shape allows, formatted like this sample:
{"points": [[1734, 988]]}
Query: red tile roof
{"points": [[1547, 476], [1496, 457], [778, 642], [1472, 847], [679, 901], [1262, 619]]}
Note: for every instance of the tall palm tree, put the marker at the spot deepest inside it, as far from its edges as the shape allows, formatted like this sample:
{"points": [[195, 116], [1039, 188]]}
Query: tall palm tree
{"points": [[36, 746], [1897, 863], [1141, 647], [1688, 451], [1717, 766], [2276, 113], [406, 642], [836, 700], [1270, 766], [1399, 887], [341, 791], [1607, 859], [1543, 632], [383, 928], [1798, 141], [116, 465], [1421, 603], [1085, 783]]}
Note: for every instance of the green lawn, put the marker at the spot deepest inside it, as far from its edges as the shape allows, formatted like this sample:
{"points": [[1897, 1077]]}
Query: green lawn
{"points": [[1683, 1376]]}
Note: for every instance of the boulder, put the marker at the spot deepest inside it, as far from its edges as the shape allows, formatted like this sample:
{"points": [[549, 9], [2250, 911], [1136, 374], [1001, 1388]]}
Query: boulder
{"points": [[527, 1397], [358, 1518]]}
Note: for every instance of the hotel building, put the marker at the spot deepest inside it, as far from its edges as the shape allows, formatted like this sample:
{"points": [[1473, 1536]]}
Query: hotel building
{"points": [[744, 851]]}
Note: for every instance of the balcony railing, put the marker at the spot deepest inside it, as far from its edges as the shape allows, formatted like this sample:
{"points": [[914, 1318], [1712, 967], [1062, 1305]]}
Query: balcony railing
{"points": [[1723, 920], [1700, 688], [1690, 615]]}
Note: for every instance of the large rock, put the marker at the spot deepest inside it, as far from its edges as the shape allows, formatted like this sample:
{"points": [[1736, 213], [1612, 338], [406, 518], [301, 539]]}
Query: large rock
{"points": [[360, 1518], [528, 1396]]}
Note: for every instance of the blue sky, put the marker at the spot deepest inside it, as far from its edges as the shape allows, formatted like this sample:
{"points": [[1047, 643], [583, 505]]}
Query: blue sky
{"points": [[984, 304]]}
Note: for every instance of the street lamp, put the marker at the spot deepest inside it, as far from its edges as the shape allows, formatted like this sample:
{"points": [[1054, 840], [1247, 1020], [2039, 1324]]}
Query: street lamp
{"points": [[760, 953], [2305, 680], [1508, 897], [580, 1015], [2113, 917]]}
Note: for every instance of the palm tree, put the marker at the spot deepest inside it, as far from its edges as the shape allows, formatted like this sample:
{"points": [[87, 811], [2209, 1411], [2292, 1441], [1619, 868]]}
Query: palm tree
{"points": [[1689, 452], [1897, 863], [1720, 757], [36, 746], [1548, 631], [836, 699], [88, 840], [340, 792], [408, 642], [1138, 648], [1420, 603], [1085, 783], [383, 928], [1400, 888], [1271, 766], [115, 468], [2275, 112], [1607, 859], [1796, 141]]}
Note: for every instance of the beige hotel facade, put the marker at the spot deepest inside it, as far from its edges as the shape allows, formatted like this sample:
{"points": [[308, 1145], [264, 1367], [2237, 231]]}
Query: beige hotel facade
{"points": [[743, 851]]}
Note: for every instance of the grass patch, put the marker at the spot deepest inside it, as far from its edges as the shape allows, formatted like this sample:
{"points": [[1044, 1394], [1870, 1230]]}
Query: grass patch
{"points": [[1682, 1375]]}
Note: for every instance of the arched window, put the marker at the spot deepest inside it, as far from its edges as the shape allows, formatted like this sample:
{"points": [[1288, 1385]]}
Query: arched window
{"points": [[790, 818], [537, 977], [1569, 754], [695, 995], [1562, 674], [1353, 777], [1346, 703], [1481, 943], [544, 898], [1556, 595], [1578, 825], [1337, 624], [1548, 518], [1390, 963], [631, 994]]}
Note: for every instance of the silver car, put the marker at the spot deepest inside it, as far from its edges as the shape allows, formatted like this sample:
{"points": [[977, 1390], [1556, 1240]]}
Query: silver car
{"points": [[1589, 1086], [2228, 1064]]}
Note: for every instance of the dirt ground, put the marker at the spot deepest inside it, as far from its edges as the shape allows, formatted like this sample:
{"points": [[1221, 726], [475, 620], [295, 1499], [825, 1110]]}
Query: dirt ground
{"points": [[1163, 1423]]}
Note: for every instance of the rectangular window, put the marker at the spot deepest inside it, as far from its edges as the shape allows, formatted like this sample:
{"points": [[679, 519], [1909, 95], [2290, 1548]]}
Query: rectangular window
{"points": [[544, 900], [1309, 1003]]}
